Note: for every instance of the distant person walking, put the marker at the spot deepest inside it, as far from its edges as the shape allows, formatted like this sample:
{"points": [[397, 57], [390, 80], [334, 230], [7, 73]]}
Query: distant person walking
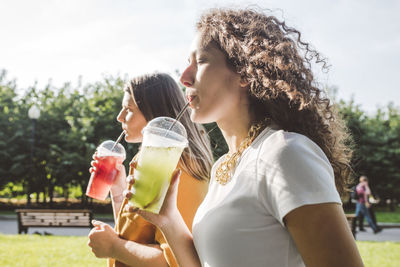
{"points": [[362, 207], [372, 199]]}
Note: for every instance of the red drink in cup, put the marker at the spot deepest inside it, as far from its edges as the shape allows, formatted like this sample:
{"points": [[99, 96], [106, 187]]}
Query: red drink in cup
{"points": [[101, 180]]}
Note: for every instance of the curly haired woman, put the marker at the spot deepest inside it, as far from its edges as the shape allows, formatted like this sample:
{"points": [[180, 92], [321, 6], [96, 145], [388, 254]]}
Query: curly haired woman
{"points": [[274, 197]]}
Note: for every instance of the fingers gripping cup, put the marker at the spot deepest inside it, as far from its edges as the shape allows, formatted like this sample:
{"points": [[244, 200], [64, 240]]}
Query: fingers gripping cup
{"points": [[101, 180], [163, 142]]}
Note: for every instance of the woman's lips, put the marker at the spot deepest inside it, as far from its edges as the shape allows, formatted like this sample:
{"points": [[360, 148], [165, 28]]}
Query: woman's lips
{"points": [[190, 99]]}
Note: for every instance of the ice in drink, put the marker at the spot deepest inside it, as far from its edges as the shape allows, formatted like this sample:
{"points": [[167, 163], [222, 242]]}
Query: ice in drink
{"points": [[163, 142], [101, 180]]}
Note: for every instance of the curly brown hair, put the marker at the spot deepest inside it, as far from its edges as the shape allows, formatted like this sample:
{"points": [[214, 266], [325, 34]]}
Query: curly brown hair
{"points": [[276, 63]]}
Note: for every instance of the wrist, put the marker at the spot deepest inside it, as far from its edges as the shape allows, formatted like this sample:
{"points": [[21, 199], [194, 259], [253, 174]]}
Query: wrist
{"points": [[117, 190], [115, 243], [172, 222], [117, 198], [119, 182]]}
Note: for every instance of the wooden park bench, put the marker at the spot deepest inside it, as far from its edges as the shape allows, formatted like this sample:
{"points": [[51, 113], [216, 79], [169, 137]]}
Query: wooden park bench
{"points": [[52, 218], [352, 220]]}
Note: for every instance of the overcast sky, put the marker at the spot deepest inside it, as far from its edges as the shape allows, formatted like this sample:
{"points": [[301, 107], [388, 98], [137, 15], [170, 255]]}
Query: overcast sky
{"points": [[63, 40]]}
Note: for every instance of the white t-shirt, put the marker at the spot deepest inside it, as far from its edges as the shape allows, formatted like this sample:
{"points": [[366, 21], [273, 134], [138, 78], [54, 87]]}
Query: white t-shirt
{"points": [[241, 223]]}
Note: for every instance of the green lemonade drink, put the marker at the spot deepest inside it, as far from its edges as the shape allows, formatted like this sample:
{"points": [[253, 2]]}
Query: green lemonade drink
{"points": [[157, 163], [163, 142]]}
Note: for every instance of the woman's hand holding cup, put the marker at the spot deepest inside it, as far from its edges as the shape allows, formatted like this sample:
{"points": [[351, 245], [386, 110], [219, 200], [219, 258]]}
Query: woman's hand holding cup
{"points": [[94, 163], [116, 183], [119, 183]]}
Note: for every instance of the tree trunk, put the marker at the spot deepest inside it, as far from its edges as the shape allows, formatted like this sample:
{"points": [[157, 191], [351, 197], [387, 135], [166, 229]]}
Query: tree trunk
{"points": [[392, 205], [51, 194], [44, 200], [66, 193], [83, 197], [28, 195], [28, 199]]}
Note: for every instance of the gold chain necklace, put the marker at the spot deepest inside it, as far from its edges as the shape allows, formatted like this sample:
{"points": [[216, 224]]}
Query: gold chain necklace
{"points": [[226, 168]]}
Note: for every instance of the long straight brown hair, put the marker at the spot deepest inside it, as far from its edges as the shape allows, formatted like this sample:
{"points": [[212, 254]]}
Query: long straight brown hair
{"points": [[159, 95]]}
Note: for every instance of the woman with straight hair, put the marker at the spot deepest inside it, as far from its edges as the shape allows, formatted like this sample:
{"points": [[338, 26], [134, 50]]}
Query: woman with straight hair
{"points": [[274, 197], [136, 242]]}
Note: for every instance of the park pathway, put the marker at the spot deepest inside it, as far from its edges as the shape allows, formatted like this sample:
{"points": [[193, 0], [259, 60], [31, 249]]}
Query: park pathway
{"points": [[9, 225]]}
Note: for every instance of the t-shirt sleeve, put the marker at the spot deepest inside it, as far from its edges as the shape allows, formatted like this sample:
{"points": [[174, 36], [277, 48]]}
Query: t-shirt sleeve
{"points": [[293, 172]]}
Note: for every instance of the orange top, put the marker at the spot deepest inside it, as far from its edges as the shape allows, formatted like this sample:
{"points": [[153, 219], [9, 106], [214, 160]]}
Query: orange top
{"points": [[133, 227]]}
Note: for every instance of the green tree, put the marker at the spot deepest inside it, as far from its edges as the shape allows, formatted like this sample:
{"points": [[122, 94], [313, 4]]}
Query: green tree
{"points": [[376, 147], [74, 121], [9, 134]]}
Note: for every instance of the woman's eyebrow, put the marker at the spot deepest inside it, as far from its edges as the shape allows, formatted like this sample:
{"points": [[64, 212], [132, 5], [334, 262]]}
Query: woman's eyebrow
{"points": [[130, 105], [192, 55], [200, 52], [204, 52], [126, 106]]}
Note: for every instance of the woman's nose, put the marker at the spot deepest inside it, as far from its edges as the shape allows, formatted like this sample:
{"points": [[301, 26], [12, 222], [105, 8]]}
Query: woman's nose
{"points": [[121, 117], [187, 77]]}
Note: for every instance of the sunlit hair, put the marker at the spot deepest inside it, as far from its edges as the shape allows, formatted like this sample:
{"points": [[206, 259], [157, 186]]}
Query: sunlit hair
{"points": [[276, 63], [159, 95], [363, 178]]}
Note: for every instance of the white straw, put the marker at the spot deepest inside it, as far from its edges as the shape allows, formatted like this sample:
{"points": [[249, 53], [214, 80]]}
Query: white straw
{"points": [[118, 140]]}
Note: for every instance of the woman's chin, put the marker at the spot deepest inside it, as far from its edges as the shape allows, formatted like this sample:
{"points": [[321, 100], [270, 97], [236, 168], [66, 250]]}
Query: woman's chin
{"points": [[196, 117], [128, 139], [132, 139]]}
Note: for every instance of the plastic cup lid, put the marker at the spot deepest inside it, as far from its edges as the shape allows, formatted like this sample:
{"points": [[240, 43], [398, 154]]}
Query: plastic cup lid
{"points": [[105, 148], [167, 128]]}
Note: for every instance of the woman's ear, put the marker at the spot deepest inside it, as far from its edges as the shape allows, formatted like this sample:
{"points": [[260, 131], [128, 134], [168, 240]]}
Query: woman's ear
{"points": [[243, 82]]}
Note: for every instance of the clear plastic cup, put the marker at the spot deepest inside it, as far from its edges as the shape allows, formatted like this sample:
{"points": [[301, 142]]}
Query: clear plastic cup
{"points": [[101, 180], [159, 155]]}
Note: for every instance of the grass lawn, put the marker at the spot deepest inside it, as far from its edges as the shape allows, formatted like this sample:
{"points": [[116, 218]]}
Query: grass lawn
{"points": [[60, 251], [7, 213], [380, 254], [43, 251], [384, 215], [388, 217]]}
